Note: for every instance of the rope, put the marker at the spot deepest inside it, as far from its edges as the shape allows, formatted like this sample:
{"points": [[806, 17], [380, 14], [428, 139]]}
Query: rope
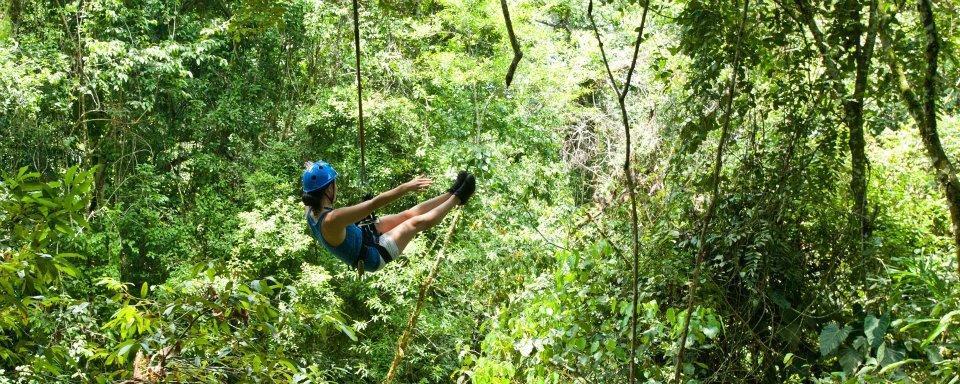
{"points": [[404, 339], [711, 208], [356, 47]]}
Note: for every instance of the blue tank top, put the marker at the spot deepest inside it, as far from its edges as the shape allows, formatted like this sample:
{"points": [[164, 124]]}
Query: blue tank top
{"points": [[351, 248]]}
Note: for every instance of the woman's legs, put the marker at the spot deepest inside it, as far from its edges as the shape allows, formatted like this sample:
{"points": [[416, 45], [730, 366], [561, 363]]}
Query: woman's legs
{"points": [[405, 231], [390, 222]]}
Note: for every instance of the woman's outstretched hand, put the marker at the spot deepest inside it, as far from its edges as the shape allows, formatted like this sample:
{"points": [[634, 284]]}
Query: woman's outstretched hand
{"points": [[418, 184]]}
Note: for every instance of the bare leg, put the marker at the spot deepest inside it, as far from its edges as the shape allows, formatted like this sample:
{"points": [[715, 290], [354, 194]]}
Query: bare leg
{"points": [[390, 222], [405, 232]]}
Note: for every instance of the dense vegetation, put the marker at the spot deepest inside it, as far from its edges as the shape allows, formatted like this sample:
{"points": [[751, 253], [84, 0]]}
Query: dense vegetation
{"points": [[792, 168]]}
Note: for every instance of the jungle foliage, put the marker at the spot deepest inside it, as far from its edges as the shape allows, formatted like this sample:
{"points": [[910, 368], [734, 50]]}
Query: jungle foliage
{"points": [[152, 229]]}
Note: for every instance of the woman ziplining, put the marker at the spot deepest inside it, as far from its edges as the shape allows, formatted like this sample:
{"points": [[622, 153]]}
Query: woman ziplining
{"points": [[368, 246], [353, 234]]}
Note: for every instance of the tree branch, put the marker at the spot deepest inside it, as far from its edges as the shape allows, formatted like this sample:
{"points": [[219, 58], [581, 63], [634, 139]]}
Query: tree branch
{"points": [[603, 52], [903, 85], [711, 208], [946, 173], [621, 97], [636, 51], [807, 18], [924, 113], [517, 54], [866, 54], [932, 52], [404, 339]]}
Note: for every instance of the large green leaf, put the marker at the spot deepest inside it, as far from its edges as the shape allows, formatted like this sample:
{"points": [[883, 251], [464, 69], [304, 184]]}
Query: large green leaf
{"points": [[888, 355], [850, 359], [875, 328], [831, 337]]}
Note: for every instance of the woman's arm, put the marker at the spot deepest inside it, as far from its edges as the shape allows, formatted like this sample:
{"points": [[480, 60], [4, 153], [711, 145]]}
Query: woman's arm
{"points": [[343, 217]]}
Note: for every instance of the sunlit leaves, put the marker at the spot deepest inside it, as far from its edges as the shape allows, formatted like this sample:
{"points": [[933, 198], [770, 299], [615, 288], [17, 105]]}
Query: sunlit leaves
{"points": [[942, 325], [201, 112]]}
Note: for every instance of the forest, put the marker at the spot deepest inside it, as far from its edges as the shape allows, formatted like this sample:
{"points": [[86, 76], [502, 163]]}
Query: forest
{"points": [[667, 191]]}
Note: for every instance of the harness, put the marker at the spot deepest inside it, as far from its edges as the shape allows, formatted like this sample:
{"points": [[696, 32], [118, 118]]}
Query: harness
{"points": [[369, 238]]}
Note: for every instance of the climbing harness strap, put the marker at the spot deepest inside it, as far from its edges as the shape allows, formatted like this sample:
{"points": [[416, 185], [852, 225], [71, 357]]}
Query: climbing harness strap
{"points": [[372, 218], [365, 231], [370, 238]]}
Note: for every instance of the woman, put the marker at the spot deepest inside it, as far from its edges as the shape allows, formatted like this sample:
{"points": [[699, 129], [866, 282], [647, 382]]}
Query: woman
{"points": [[368, 247]]}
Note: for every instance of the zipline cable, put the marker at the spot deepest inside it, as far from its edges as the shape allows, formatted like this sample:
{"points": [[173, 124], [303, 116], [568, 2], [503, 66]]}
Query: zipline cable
{"points": [[360, 128], [356, 47], [712, 207]]}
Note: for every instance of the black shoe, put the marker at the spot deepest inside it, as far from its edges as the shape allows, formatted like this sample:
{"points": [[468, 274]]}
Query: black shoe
{"points": [[466, 190], [461, 177]]}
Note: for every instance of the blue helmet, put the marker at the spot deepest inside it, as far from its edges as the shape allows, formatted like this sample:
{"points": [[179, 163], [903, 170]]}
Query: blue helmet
{"points": [[318, 175]]}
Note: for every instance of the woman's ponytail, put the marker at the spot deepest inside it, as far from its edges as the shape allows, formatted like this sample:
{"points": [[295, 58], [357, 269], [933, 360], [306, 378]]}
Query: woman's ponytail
{"points": [[314, 199], [310, 200]]}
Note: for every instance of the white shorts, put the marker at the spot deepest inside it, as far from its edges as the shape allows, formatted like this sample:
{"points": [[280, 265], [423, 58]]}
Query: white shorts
{"points": [[391, 246]]}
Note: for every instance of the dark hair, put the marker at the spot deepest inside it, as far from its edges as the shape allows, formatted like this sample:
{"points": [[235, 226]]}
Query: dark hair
{"points": [[314, 199]]}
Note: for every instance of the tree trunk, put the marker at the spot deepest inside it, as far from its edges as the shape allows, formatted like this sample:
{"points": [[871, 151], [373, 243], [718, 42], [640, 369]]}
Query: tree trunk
{"points": [[854, 116], [858, 166], [851, 28], [924, 112], [628, 157], [853, 104], [946, 173], [714, 194]]}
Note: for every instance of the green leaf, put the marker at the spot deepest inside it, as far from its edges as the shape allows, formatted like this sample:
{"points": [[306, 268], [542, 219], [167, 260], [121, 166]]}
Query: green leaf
{"points": [[70, 255], [347, 330], [31, 187], [125, 347], [144, 289], [67, 268], [68, 176], [45, 202], [831, 337], [914, 323], [944, 323], [850, 359], [875, 328], [288, 364], [933, 354], [888, 355], [859, 342], [711, 331], [896, 365]]}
